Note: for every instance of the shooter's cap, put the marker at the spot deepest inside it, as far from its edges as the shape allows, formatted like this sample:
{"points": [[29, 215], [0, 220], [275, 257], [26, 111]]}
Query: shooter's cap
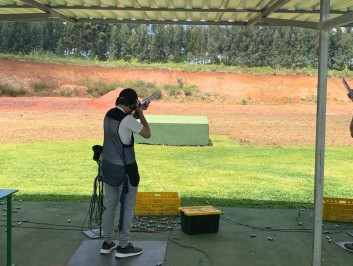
{"points": [[127, 96]]}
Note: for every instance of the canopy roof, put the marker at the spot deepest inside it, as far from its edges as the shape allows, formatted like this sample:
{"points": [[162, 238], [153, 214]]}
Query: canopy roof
{"points": [[296, 13]]}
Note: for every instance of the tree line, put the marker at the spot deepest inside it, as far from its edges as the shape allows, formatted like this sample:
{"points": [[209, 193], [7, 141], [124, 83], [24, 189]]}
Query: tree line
{"points": [[275, 47]]}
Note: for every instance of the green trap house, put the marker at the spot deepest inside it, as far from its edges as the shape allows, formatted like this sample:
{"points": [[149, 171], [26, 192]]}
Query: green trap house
{"points": [[177, 130]]}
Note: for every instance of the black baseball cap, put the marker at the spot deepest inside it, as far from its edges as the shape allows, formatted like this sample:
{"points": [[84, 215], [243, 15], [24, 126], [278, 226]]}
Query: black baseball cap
{"points": [[127, 96]]}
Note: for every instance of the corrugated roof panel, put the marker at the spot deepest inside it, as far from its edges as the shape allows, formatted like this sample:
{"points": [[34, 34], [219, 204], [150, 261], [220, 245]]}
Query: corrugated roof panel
{"points": [[243, 4], [299, 6], [13, 12], [154, 16], [343, 5], [305, 17], [238, 17], [44, 2], [137, 15], [10, 2], [208, 11], [78, 13], [296, 16], [131, 3], [109, 3], [263, 4], [90, 14], [63, 2]]}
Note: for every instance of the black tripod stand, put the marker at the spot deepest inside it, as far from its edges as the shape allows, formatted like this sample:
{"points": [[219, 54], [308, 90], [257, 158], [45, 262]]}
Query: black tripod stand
{"points": [[96, 208]]}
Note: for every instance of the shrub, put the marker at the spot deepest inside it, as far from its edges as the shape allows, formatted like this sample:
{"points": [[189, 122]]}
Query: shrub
{"points": [[98, 88], [173, 90], [155, 90], [142, 88], [41, 85], [243, 101], [9, 90], [180, 83], [190, 89]]}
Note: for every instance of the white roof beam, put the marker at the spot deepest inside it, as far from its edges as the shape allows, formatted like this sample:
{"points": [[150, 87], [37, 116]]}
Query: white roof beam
{"points": [[48, 10], [290, 23], [340, 21], [24, 17]]}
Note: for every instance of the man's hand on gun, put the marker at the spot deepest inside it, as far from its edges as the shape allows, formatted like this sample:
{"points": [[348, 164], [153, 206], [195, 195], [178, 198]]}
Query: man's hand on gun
{"points": [[139, 110], [144, 104]]}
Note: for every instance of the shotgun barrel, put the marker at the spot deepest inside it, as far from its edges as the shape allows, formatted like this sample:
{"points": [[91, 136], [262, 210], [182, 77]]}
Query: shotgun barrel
{"points": [[149, 99], [350, 91]]}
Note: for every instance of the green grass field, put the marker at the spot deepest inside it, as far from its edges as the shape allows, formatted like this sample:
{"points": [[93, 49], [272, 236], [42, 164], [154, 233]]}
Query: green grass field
{"points": [[224, 174]]}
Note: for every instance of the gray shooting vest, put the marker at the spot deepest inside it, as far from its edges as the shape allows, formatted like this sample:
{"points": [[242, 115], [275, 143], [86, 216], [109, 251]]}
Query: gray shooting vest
{"points": [[118, 158]]}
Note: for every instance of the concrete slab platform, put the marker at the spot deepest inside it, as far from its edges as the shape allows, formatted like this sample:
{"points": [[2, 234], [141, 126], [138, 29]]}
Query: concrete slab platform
{"points": [[49, 238], [87, 254]]}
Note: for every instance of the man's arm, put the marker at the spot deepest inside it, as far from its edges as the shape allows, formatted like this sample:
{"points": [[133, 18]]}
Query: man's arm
{"points": [[145, 132]]}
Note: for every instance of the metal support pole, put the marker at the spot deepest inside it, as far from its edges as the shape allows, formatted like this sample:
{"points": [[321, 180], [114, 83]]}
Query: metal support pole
{"points": [[9, 231], [320, 133]]}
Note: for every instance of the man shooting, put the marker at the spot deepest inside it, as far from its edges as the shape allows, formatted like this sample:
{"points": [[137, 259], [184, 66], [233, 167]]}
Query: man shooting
{"points": [[120, 171]]}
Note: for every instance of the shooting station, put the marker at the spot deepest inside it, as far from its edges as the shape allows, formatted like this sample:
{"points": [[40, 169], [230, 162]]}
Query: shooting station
{"points": [[228, 248]]}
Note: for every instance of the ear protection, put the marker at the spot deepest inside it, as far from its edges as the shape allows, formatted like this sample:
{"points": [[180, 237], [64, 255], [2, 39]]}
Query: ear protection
{"points": [[132, 105]]}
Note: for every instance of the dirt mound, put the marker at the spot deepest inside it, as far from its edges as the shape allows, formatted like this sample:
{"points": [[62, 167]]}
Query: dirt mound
{"points": [[108, 99], [226, 87], [252, 109]]}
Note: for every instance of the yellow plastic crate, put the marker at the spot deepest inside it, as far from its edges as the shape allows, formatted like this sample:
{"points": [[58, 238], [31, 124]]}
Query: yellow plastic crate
{"points": [[157, 203], [337, 209]]}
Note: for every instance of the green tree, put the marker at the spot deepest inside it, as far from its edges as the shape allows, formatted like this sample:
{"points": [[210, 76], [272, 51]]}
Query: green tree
{"points": [[114, 47], [340, 50], [7, 37], [74, 39], [142, 45], [277, 50], [188, 44], [213, 44], [36, 34], [158, 51], [199, 44], [179, 44], [49, 35], [125, 33], [60, 48], [101, 43]]}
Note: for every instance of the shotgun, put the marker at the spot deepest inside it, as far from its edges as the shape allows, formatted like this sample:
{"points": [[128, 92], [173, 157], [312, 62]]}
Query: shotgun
{"points": [[149, 99], [350, 91], [143, 103]]}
